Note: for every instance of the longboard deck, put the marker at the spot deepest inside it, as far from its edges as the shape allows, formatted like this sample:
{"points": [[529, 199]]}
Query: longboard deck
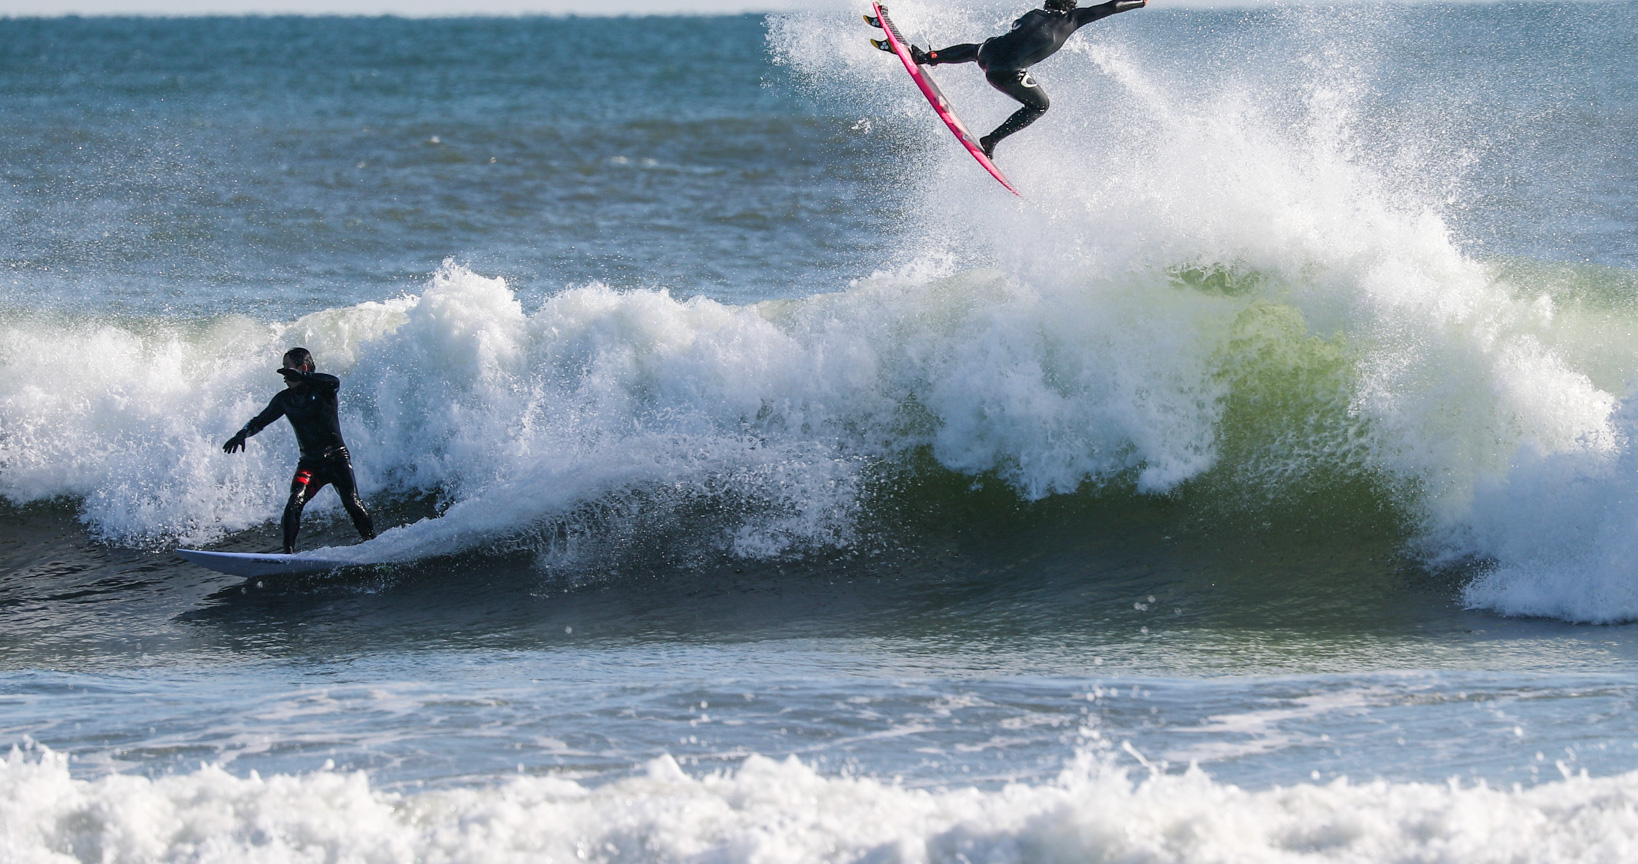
{"points": [[929, 88], [253, 564]]}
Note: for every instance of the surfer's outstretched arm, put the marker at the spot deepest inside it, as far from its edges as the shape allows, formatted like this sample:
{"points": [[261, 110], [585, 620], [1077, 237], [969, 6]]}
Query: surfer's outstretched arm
{"points": [[966, 52], [273, 411], [1089, 14]]}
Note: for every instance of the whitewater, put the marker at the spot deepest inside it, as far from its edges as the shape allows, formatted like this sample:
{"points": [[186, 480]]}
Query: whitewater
{"points": [[782, 811], [761, 482]]}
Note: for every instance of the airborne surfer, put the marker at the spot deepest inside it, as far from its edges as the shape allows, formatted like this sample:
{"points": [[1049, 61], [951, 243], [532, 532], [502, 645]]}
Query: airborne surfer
{"points": [[309, 403], [1005, 59]]}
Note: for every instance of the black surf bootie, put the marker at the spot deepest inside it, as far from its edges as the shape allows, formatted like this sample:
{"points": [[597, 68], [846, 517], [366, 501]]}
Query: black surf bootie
{"points": [[921, 57]]}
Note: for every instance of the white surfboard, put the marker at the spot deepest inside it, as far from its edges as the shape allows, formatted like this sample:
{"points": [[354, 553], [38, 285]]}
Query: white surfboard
{"points": [[252, 564]]}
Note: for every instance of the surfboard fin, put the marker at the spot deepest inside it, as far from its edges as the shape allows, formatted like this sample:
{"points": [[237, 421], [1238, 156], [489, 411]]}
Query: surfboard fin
{"points": [[882, 44], [873, 21]]}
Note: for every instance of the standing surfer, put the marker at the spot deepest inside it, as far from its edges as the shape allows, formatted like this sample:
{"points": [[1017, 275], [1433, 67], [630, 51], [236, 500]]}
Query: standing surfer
{"points": [[309, 402], [1005, 59]]}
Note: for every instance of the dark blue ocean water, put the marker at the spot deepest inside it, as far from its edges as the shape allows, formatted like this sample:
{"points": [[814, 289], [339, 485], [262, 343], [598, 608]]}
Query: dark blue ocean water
{"points": [[761, 482], [278, 166]]}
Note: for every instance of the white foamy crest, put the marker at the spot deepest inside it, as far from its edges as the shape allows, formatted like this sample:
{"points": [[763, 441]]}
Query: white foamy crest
{"points": [[781, 404], [785, 813], [1560, 531]]}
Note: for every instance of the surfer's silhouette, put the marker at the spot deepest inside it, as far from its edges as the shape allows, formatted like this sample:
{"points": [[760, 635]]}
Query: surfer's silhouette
{"points": [[1005, 59], [309, 402]]}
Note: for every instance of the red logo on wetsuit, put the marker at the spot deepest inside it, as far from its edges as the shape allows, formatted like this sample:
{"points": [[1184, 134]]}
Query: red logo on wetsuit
{"points": [[304, 477]]}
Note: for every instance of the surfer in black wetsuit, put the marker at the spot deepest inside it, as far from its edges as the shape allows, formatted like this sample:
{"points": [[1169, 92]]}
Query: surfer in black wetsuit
{"points": [[309, 402], [1005, 59]]}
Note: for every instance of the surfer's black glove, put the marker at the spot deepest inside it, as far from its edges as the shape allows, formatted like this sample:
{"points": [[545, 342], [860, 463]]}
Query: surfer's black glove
{"points": [[234, 444], [292, 374]]}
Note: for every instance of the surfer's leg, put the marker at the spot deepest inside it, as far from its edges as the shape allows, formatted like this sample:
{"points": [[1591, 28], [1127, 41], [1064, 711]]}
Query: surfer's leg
{"points": [[1020, 85], [341, 474], [302, 487], [963, 53]]}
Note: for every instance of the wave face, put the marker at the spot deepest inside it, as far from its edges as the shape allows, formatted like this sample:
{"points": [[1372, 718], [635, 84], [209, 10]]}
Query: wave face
{"points": [[773, 811], [1250, 289]]}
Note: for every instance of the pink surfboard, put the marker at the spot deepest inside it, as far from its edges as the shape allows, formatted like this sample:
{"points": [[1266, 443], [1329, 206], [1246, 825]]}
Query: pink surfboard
{"points": [[929, 88]]}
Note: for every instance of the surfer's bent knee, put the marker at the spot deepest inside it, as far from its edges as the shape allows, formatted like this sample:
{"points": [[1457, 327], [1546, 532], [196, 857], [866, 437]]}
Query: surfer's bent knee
{"points": [[1020, 85]]}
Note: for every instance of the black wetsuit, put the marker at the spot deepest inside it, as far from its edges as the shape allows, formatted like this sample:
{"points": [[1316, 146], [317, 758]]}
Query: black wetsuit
{"points": [[311, 408], [1005, 59]]}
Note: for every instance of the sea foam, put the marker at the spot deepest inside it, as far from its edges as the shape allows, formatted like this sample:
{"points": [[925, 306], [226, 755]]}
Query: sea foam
{"points": [[783, 811]]}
